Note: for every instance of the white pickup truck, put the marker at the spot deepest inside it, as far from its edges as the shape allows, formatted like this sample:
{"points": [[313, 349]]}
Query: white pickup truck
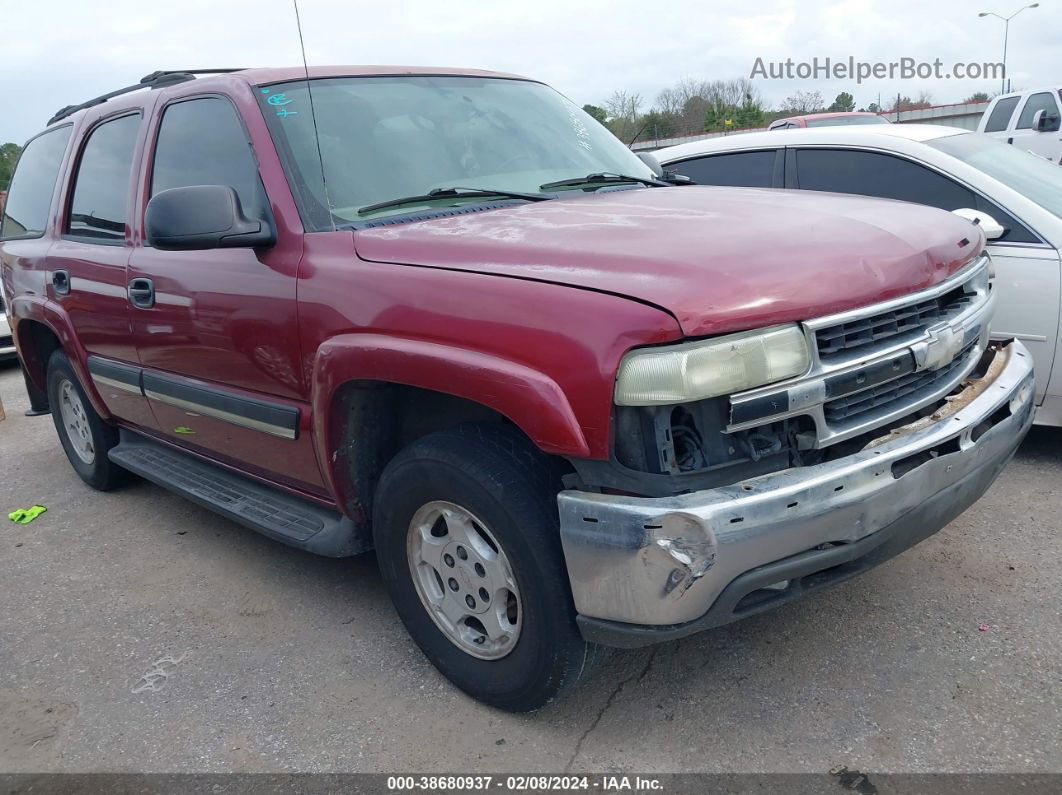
{"points": [[1029, 119]]}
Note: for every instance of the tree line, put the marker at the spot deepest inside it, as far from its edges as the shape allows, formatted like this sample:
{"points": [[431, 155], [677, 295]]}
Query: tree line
{"points": [[693, 106], [8, 156]]}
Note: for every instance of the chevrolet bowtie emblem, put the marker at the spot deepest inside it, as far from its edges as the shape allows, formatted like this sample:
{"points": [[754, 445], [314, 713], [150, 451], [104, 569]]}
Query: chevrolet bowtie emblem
{"points": [[941, 347]]}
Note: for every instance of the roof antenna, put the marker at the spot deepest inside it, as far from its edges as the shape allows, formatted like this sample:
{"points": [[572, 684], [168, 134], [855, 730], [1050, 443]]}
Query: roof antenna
{"points": [[313, 116]]}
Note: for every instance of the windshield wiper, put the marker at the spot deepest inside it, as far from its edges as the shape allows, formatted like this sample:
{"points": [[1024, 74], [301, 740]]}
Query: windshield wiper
{"points": [[603, 176], [453, 193]]}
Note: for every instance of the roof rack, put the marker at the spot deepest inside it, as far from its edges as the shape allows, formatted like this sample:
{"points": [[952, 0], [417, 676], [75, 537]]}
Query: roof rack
{"points": [[159, 79]]}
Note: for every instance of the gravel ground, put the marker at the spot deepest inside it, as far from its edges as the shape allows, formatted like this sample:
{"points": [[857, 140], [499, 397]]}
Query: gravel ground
{"points": [[142, 633]]}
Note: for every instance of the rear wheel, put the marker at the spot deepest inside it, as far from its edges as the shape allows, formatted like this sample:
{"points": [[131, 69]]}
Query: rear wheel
{"points": [[465, 525], [85, 437]]}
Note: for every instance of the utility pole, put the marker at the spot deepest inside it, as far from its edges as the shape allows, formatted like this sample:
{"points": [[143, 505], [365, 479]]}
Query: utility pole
{"points": [[1006, 35]]}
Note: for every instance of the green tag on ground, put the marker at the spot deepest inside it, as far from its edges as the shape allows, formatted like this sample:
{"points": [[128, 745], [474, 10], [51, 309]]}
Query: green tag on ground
{"points": [[26, 515]]}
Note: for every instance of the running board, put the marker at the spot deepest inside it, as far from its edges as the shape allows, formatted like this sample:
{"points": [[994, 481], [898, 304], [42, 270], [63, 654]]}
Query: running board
{"points": [[271, 512]]}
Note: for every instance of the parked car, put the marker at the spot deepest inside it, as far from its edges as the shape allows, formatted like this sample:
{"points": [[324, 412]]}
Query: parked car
{"points": [[447, 315], [1016, 197], [827, 120], [1027, 119], [7, 344]]}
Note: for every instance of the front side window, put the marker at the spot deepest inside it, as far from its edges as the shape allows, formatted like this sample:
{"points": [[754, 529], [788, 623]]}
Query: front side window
{"points": [[382, 138], [874, 174], [741, 169], [1042, 101], [890, 177], [100, 207], [30, 195], [201, 142], [1001, 113]]}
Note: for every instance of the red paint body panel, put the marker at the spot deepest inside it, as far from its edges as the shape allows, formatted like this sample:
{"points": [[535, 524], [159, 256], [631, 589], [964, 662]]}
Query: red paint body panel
{"points": [[527, 310], [718, 259], [542, 355]]}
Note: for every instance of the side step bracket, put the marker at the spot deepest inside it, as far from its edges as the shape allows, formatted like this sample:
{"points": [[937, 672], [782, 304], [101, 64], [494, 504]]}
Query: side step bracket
{"points": [[271, 512]]}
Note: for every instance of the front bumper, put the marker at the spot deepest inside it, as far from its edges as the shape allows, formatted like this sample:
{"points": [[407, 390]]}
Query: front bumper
{"points": [[643, 570]]}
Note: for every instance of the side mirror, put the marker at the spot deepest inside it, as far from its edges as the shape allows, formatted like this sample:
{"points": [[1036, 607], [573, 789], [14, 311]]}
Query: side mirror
{"points": [[989, 225], [675, 178], [203, 217], [650, 160], [1044, 121]]}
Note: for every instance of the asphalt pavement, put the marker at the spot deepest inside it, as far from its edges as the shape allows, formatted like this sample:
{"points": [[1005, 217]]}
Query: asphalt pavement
{"points": [[139, 632]]}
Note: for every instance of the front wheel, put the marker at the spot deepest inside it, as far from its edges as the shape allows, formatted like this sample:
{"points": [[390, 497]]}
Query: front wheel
{"points": [[465, 525]]}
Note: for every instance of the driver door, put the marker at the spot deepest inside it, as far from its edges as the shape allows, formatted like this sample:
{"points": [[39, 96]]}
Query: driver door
{"points": [[1045, 142], [216, 331]]}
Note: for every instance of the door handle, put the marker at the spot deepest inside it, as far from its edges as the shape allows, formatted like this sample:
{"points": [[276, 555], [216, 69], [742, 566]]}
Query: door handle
{"points": [[142, 293], [61, 282]]}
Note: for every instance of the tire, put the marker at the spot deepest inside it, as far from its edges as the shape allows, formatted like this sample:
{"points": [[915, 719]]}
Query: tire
{"points": [[85, 437], [508, 489]]}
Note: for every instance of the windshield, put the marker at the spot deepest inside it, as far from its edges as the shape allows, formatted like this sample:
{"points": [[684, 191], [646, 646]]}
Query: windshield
{"points": [[384, 138], [841, 121], [1028, 174]]}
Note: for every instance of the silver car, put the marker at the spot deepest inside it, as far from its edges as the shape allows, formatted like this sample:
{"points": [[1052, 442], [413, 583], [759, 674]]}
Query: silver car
{"points": [[7, 344]]}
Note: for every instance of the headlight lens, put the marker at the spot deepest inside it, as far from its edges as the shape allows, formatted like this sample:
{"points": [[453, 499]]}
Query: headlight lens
{"points": [[708, 368]]}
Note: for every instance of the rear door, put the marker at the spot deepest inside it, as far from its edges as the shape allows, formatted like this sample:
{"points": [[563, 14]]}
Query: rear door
{"points": [[1045, 142], [1027, 269], [219, 338], [26, 219], [87, 264]]}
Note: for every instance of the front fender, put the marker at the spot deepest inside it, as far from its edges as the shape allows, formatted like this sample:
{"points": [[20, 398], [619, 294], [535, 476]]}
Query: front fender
{"points": [[529, 398]]}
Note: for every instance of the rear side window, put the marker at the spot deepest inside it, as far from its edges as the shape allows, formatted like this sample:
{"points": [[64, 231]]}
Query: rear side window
{"points": [[740, 169], [100, 206], [1001, 113], [201, 142], [1042, 101], [30, 195]]}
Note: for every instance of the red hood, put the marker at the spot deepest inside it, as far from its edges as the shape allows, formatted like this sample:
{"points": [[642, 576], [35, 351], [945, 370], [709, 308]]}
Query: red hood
{"points": [[718, 259]]}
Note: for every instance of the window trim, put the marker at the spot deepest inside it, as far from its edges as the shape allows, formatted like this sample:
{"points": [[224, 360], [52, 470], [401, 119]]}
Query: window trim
{"points": [[1042, 243], [151, 146], [48, 222], [75, 169]]}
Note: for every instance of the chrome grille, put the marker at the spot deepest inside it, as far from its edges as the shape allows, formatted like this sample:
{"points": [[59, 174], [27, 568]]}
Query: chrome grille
{"points": [[906, 388], [880, 363], [905, 321]]}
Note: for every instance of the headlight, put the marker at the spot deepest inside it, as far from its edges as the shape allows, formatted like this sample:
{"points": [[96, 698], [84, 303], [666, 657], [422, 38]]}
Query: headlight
{"points": [[708, 368]]}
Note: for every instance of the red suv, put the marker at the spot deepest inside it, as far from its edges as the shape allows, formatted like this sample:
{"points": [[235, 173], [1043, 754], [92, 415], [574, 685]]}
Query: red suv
{"points": [[446, 315]]}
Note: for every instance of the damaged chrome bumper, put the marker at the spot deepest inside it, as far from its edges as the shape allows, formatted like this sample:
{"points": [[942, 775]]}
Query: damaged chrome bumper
{"points": [[649, 569]]}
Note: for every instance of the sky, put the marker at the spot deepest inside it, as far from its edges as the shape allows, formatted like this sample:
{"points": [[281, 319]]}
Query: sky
{"points": [[58, 52]]}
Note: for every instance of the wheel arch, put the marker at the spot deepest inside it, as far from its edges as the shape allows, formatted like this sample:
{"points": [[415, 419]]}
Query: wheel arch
{"points": [[40, 329], [374, 394]]}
